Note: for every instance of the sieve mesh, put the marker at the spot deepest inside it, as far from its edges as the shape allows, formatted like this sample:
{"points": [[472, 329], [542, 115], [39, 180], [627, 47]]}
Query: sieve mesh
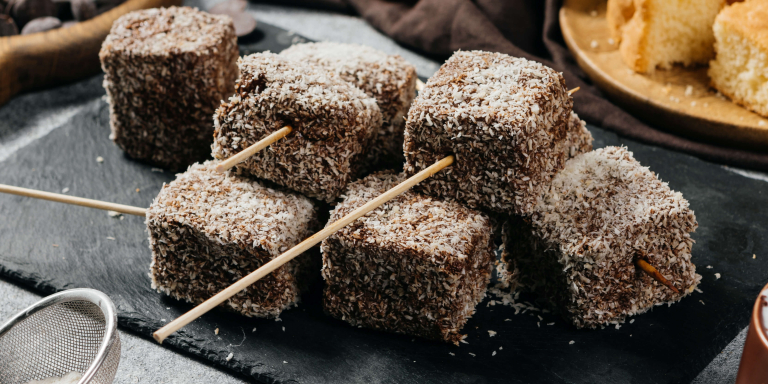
{"points": [[56, 340]]}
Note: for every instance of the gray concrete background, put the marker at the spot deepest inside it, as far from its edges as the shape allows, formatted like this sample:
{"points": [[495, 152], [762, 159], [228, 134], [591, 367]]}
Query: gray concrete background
{"points": [[31, 116]]}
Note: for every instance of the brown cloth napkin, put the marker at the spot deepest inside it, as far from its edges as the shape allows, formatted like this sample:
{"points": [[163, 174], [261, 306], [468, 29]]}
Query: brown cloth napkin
{"points": [[525, 28]]}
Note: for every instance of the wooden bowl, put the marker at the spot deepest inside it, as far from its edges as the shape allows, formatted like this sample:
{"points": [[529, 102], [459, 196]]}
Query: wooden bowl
{"points": [[659, 99], [61, 55]]}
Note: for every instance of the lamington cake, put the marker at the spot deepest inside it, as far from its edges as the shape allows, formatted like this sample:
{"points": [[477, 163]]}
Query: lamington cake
{"points": [[207, 230], [415, 265], [505, 119], [165, 72], [598, 215], [740, 68], [388, 78], [334, 124], [660, 33]]}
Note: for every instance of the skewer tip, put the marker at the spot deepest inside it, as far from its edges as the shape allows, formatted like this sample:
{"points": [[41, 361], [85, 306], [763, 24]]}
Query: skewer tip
{"points": [[655, 274], [158, 337], [572, 91]]}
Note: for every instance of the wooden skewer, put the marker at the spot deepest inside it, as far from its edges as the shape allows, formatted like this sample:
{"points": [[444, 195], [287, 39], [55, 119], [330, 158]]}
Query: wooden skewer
{"points": [[73, 200], [572, 91], [652, 272], [420, 85], [275, 263], [248, 152]]}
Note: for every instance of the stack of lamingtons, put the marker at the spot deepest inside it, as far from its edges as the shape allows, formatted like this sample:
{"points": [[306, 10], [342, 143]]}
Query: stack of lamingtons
{"points": [[582, 223]]}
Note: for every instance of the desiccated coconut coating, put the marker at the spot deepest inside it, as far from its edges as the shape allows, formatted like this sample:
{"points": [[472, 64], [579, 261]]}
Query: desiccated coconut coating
{"points": [[334, 124], [599, 213], [388, 78], [578, 139], [502, 117], [166, 70], [415, 265], [207, 230]]}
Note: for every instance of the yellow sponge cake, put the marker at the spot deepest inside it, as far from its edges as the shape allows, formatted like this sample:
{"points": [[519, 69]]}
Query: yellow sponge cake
{"points": [[660, 33], [740, 70]]}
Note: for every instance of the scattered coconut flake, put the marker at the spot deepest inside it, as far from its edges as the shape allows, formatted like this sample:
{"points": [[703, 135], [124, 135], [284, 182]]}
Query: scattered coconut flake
{"points": [[65, 190], [689, 90], [472, 354], [110, 238], [494, 353], [594, 44], [611, 41], [632, 321], [114, 214], [451, 353], [254, 330], [157, 170], [491, 333], [283, 329], [285, 362], [216, 331], [552, 323], [709, 267], [717, 275], [230, 356], [99, 159], [702, 302], [571, 342]]}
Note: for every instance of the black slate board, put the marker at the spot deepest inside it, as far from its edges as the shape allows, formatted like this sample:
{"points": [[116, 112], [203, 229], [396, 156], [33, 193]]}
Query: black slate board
{"points": [[670, 344]]}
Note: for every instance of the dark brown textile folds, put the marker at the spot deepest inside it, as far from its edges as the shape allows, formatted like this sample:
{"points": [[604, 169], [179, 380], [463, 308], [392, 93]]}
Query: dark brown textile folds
{"points": [[526, 28]]}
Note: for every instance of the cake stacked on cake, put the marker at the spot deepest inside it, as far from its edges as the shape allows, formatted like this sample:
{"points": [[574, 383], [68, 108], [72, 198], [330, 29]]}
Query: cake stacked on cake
{"points": [[165, 72], [208, 230], [505, 119], [388, 78], [415, 265], [334, 125], [597, 216]]}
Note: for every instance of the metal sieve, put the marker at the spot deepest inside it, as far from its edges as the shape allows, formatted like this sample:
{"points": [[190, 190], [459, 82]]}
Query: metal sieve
{"points": [[74, 330]]}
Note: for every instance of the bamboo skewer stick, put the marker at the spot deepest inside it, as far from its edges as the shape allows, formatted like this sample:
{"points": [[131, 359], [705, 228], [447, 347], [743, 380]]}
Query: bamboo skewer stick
{"points": [[248, 152], [655, 274], [59, 198], [572, 91], [275, 263], [420, 85]]}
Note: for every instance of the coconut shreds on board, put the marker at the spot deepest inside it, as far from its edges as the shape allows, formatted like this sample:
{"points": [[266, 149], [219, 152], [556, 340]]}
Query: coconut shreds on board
{"points": [[430, 294], [334, 124], [165, 72], [230, 356], [506, 120], [388, 78], [208, 230]]}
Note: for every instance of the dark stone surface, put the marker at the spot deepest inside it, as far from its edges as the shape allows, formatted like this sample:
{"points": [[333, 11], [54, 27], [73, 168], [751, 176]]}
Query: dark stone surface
{"points": [[50, 246]]}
